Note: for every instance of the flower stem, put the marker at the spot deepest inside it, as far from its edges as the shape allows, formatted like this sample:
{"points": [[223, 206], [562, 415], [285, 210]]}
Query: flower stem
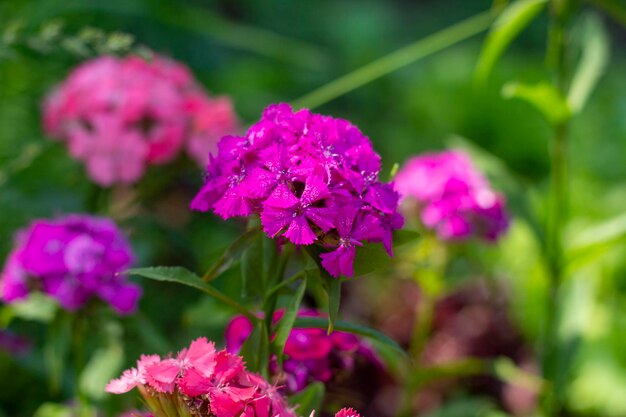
{"points": [[557, 212]]}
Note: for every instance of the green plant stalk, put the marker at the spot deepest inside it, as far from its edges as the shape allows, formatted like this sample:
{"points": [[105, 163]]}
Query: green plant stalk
{"points": [[396, 60], [557, 213]]}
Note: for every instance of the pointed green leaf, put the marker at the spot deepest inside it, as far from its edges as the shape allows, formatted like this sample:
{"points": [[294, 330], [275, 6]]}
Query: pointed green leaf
{"points": [[593, 62], [544, 97], [505, 29], [286, 322], [368, 332], [184, 276], [308, 400]]}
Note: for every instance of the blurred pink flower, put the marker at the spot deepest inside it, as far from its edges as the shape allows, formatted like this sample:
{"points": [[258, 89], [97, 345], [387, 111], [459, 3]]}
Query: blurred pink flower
{"points": [[120, 115], [452, 196]]}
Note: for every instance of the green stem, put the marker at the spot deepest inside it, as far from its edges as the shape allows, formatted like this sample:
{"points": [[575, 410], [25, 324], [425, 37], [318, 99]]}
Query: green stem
{"points": [[557, 213], [396, 60]]}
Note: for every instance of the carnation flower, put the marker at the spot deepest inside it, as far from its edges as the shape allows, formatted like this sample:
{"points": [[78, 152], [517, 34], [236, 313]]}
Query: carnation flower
{"points": [[120, 115], [200, 381], [310, 354], [72, 259], [452, 196], [312, 179]]}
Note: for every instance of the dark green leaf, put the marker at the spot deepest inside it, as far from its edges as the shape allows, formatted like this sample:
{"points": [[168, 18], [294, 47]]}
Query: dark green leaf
{"points": [[286, 322], [308, 400], [184, 276], [368, 332], [507, 26]]}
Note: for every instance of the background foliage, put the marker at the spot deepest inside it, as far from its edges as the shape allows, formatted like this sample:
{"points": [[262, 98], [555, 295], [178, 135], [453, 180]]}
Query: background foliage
{"points": [[261, 52]]}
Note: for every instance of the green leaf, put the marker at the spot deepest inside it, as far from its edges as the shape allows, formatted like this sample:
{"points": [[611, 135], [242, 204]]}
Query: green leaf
{"points": [[230, 255], [252, 266], [367, 332], [104, 365], [286, 322], [309, 399], [544, 97], [334, 300], [183, 276], [593, 62], [505, 29]]}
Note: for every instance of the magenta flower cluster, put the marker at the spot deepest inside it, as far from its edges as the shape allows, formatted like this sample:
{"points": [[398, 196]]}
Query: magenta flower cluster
{"points": [[73, 260], [311, 178], [453, 197], [200, 381], [310, 354], [121, 115]]}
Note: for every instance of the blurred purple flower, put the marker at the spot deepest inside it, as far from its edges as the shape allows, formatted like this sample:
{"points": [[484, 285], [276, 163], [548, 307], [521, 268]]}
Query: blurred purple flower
{"points": [[453, 197], [300, 172], [72, 259], [120, 115]]}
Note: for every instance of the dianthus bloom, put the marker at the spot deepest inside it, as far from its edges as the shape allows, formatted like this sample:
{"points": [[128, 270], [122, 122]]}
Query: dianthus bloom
{"points": [[310, 354], [453, 197], [72, 259], [311, 178], [199, 381], [120, 115]]}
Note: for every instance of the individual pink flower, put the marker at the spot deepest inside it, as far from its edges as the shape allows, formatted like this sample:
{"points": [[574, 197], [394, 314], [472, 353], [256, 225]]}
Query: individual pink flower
{"points": [[121, 115], [452, 196], [72, 259], [201, 381], [347, 412], [299, 171]]}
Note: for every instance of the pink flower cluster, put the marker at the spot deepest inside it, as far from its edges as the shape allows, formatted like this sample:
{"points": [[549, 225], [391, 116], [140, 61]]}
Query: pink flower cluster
{"points": [[311, 354], [311, 178], [72, 259], [453, 197], [200, 381], [120, 115]]}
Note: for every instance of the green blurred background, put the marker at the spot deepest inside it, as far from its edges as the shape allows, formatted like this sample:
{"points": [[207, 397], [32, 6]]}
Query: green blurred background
{"points": [[266, 51]]}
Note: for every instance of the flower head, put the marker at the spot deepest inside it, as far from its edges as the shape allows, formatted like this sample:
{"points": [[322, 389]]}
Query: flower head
{"points": [[452, 196], [304, 174], [72, 259], [310, 354], [119, 115], [201, 381]]}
